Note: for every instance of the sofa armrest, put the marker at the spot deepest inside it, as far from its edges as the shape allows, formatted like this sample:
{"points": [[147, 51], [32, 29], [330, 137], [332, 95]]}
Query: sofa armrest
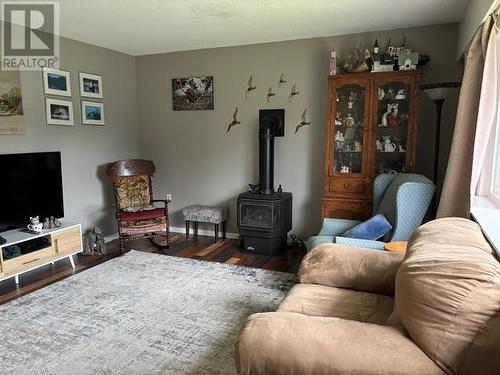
{"points": [[349, 267], [291, 343], [336, 227], [357, 242]]}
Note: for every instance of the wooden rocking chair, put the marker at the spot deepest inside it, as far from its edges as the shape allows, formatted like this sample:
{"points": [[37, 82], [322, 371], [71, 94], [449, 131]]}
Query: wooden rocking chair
{"points": [[136, 213]]}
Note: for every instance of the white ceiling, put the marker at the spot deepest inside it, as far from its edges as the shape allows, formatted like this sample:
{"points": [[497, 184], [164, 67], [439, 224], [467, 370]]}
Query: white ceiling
{"points": [[141, 27]]}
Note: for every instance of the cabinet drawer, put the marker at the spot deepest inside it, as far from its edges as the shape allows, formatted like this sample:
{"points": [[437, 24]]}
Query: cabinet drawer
{"points": [[26, 261], [346, 209], [68, 241], [347, 185]]}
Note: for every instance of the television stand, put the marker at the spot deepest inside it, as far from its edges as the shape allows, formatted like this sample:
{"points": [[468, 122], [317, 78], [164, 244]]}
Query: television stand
{"points": [[24, 251]]}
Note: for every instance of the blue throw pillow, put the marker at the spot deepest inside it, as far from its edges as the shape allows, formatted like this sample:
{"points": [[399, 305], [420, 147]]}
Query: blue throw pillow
{"points": [[371, 229]]}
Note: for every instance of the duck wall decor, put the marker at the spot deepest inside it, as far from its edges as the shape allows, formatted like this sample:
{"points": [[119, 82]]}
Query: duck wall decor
{"points": [[281, 80], [304, 122], [293, 93], [250, 87], [270, 94], [235, 120]]}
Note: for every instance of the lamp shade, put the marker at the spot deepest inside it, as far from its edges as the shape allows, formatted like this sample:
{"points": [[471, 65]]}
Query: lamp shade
{"points": [[440, 91]]}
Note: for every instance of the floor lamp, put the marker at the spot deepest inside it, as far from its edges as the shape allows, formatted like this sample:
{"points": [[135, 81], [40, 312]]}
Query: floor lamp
{"points": [[438, 92]]}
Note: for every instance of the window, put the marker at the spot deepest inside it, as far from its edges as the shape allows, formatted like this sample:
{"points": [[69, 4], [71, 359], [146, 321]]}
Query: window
{"points": [[495, 175]]}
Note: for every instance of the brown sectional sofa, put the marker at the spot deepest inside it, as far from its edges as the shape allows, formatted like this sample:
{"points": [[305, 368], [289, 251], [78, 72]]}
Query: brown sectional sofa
{"points": [[361, 311]]}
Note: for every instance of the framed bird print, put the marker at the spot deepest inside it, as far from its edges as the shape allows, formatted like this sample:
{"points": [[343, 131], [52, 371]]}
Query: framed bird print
{"points": [[193, 93]]}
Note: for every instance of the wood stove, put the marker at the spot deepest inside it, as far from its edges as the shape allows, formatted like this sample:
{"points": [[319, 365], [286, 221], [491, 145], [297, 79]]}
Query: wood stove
{"points": [[265, 216]]}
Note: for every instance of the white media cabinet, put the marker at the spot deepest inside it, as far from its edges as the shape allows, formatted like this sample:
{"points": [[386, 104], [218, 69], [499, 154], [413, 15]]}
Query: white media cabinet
{"points": [[39, 249]]}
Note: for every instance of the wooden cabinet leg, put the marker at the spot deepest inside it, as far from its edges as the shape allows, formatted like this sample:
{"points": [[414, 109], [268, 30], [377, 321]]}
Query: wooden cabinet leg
{"points": [[187, 229], [224, 226], [216, 234]]}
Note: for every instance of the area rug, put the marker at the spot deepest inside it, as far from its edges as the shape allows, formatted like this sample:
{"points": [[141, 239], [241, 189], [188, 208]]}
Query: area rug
{"points": [[140, 313]]}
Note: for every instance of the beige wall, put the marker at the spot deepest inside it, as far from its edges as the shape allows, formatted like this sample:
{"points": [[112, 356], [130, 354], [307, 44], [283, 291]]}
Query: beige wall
{"points": [[85, 149], [198, 162], [474, 13]]}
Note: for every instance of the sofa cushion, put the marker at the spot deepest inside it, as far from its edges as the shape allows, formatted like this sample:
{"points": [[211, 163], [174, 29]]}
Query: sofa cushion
{"points": [[448, 292], [319, 300], [371, 229], [282, 343]]}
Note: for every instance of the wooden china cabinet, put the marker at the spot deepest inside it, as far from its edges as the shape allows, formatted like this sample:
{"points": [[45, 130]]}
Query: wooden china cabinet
{"points": [[371, 129]]}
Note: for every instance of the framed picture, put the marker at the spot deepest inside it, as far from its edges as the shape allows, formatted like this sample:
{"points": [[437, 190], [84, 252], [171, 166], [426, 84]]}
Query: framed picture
{"points": [[11, 103], [59, 112], [193, 93], [92, 113], [90, 85], [56, 82]]}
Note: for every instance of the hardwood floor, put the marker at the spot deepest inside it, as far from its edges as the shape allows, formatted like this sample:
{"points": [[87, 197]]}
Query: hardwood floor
{"points": [[203, 248]]}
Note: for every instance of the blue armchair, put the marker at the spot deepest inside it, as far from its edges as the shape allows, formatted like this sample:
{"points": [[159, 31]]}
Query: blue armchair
{"points": [[402, 198]]}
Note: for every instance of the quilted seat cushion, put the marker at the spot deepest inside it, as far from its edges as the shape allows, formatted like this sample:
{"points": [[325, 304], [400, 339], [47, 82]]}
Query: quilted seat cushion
{"points": [[448, 296], [142, 215], [205, 214]]}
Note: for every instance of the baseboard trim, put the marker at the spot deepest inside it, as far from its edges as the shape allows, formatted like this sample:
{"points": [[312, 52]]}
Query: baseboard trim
{"points": [[201, 232]]}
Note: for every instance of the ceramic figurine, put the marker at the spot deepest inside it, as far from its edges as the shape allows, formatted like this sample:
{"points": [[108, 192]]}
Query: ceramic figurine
{"points": [[281, 80], [338, 119], [349, 120], [350, 104], [380, 147], [94, 243], [52, 224], [388, 145], [401, 148], [401, 94], [46, 223], [390, 117], [57, 223], [250, 87], [381, 94], [357, 146], [303, 123], [35, 225], [339, 140], [345, 169]]}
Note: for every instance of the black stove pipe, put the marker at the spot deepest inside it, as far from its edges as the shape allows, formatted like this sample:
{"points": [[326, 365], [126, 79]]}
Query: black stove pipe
{"points": [[271, 125], [266, 160]]}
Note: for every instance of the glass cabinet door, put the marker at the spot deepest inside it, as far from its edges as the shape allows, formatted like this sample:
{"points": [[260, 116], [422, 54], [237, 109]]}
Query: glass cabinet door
{"points": [[348, 129], [392, 119]]}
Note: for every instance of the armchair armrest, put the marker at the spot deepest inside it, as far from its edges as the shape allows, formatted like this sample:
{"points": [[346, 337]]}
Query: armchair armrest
{"points": [[351, 267], [335, 227], [281, 343]]}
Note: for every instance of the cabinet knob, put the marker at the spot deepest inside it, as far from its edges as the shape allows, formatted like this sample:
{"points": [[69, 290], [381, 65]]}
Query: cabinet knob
{"points": [[346, 186]]}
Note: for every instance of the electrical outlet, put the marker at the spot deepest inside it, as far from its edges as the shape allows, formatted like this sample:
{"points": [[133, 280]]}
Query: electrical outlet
{"points": [[169, 197]]}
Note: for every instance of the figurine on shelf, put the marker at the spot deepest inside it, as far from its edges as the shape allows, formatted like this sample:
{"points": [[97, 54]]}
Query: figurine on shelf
{"points": [[350, 104], [338, 119], [381, 94], [357, 146], [345, 169], [375, 57], [401, 148], [401, 94], [388, 145], [390, 118], [349, 120], [35, 226], [339, 140], [380, 147], [353, 96]]}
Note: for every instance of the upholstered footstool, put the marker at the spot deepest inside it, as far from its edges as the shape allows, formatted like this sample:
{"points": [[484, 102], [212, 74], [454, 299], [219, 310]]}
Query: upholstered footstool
{"points": [[205, 214]]}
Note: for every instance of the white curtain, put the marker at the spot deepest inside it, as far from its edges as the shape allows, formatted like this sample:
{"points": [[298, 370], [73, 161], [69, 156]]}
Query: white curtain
{"points": [[484, 143]]}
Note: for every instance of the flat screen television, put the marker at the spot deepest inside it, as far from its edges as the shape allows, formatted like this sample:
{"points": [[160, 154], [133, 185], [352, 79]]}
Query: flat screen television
{"points": [[31, 185]]}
